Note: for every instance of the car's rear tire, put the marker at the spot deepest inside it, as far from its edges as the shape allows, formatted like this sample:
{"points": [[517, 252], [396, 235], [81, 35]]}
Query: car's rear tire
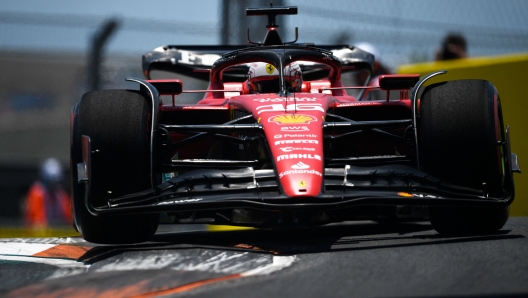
{"points": [[117, 122], [461, 129]]}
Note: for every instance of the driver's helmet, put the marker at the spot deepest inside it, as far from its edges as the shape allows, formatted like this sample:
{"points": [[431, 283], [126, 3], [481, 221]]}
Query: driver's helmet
{"points": [[264, 78]]}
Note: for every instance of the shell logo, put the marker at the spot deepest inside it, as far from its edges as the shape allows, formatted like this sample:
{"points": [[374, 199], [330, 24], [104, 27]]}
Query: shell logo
{"points": [[292, 119]]}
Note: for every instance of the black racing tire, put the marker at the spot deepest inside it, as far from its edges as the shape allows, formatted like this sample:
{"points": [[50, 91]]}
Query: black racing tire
{"points": [[461, 129], [117, 122]]}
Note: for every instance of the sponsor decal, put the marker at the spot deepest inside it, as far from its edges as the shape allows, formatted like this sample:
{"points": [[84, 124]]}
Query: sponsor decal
{"points": [[291, 107], [295, 128], [283, 99], [298, 156], [302, 183], [287, 135], [180, 201], [417, 195], [300, 166], [287, 142], [292, 119], [228, 58], [187, 58], [290, 149], [360, 104], [290, 172]]}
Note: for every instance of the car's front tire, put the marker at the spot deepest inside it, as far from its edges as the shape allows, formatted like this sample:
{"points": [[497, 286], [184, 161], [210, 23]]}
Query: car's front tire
{"points": [[117, 122], [461, 136]]}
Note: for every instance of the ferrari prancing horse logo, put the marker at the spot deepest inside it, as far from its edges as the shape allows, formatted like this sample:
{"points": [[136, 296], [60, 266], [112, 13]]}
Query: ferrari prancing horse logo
{"points": [[270, 68]]}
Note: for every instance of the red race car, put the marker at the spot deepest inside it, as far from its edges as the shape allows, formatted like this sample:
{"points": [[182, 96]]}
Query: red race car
{"points": [[286, 135]]}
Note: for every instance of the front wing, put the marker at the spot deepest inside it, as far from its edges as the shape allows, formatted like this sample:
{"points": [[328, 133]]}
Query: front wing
{"points": [[246, 188]]}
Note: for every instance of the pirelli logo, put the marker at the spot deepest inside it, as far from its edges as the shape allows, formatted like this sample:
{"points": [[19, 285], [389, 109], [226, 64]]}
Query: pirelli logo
{"points": [[298, 156], [285, 142]]}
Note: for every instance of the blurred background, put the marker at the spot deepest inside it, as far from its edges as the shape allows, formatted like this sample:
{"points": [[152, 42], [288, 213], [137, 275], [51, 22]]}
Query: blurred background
{"points": [[51, 52]]}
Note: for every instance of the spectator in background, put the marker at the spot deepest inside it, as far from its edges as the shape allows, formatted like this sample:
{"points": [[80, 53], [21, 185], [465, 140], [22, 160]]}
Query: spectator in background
{"points": [[46, 202], [454, 46]]}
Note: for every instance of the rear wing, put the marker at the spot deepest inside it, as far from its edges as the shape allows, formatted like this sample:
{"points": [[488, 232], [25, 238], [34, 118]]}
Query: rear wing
{"points": [[196, 61]]}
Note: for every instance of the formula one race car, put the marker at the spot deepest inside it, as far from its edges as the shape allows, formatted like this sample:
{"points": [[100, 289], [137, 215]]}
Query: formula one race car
{"points": [[286, 135]]}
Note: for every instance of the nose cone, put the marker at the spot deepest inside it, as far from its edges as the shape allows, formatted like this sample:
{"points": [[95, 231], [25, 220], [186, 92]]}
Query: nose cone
{"points": [[296, 143], [293, 127]]}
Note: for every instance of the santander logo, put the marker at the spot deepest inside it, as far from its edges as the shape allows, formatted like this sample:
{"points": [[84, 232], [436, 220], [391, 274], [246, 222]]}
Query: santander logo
{"points": [[300, 166]]}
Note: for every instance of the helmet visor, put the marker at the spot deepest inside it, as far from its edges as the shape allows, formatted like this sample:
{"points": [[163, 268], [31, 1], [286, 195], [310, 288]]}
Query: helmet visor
{"points": [[272, 85], [266, 86]]}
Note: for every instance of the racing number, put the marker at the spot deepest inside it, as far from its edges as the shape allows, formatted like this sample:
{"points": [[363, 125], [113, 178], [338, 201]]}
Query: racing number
{"points": [[291, 107]]}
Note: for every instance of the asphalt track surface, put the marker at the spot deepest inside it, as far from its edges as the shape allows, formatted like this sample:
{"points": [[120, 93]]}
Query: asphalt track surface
{"points": [[363, 259]]}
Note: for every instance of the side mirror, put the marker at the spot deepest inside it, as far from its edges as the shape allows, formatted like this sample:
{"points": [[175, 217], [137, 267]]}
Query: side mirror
{"points": [[306, 87], [167, 87], [398, 82]]}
